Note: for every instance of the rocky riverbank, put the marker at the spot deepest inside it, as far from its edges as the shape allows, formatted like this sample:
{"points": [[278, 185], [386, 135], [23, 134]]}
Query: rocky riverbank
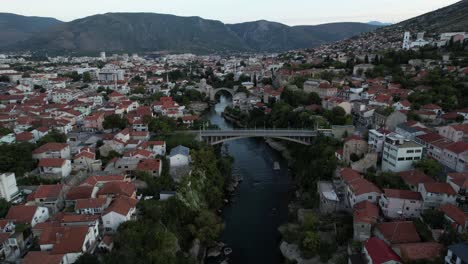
{"points": [[280, 147], [234, 120]]}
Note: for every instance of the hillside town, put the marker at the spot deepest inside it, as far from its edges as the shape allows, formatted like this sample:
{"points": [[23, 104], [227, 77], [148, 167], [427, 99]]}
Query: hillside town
{"points": [[93, 146]]}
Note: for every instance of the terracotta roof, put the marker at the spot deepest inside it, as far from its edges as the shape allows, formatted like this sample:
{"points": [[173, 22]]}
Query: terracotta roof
{"points": [[79, 192], [90, 203], [93, 180], [420, 251], [439, 187], [21, 213], [117, 188], [458, 147], [51, 162], [76, 218], [64, 239], [121, 205], [402, 194], [50, 147], [459, 178], [348, 175], [48, 191], [415, 177], [429, 138], [399, 232], [455, 213], [24, 136], [353, 137], [42, 257], [380, 252], [149, 165], [365, 212], [362, 186]]}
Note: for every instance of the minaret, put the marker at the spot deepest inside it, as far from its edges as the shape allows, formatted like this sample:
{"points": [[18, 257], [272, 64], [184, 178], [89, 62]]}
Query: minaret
{"points": [[406, 41]]}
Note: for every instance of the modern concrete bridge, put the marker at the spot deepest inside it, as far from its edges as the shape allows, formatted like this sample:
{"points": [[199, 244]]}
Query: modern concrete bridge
{"points": [[304, 137]]}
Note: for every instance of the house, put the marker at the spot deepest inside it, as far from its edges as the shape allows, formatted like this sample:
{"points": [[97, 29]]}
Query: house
{"points": [[456, 217], [377, 251], [55, 167], [402, 105], [78, 192], [151, 166], [377, 139], [107, 244], [50, 196], [400, 203], [122, 209], [455, 156], [52, 150], [25, 137], [455, 133], [397, 232], [419, 252], [399, 154], [113, 189], [457, 254], [413, 178], [365, 216], [179, 156], [459, 183], [157, 147], [91, 206], [436, 194], [8, 187], [410, 130], [362, 190], [390, 121], [354, 145], [69, 241], [27, 214], [85, 159]]}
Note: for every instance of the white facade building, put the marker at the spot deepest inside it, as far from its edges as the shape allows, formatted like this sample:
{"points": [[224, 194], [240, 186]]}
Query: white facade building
{"points": [[400, 203], [400, 153], [8, 187]]}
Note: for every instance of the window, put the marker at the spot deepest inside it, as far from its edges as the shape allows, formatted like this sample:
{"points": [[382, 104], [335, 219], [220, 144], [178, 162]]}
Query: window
{"points": [[418, 151], [407, 208], [417, 158], [400, 159], [409, 158], [369, 197], [410, 151]]}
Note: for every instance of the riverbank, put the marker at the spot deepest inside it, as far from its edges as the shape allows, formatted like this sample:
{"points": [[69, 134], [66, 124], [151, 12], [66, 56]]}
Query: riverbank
{"points": [[233, 119]]}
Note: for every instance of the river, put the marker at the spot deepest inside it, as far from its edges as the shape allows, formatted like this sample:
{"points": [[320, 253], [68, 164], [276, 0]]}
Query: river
{"points": [[260, 204]]}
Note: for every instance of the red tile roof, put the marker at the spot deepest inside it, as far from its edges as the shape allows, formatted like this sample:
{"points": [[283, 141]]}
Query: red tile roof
{"points": [[439, 187], [64, 239], [458, 147], [399, 232], [459, 178], [51, 162], [429, 138], [455, 213], [149, 165], [50, 147], [47, 191], [415, 177], [79, 192], [93, 180], [90, 203], [348, 175], [41, 257], [380, 252], [21, 213], [362, 186], [365, 212], [402, 194], [121, 205], [420, 251], [117, 188]]}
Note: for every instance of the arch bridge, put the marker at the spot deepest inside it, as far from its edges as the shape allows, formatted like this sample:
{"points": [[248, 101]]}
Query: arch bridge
{"points": [[213, 92], [304, 137]]}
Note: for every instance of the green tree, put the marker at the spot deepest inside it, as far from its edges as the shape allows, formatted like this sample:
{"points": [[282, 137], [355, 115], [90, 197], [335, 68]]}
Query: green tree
{"points": [[429, 167], [311, 243], [87, 77], [53, 136], [4, 207], [87, 259], [114, 122]]}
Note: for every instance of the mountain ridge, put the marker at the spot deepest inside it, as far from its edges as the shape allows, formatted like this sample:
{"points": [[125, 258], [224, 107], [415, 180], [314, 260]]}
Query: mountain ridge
{"points": [[164, 32]]}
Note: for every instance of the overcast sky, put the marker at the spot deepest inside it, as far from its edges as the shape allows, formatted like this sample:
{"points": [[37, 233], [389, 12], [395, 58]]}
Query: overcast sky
{"points": [[291, 12]]}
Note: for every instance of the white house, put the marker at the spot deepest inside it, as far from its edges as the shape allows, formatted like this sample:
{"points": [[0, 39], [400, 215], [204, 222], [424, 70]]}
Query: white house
{"points": [[52, 150], [399, 154], [436, 194], [360, 190], [400, 203], [55, 166], [8, 188], [26, 214], [179, 156], [121, 210], [157, 147]]}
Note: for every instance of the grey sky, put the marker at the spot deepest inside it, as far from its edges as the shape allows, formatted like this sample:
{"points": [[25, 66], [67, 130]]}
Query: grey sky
{"points": [[291, 12]]}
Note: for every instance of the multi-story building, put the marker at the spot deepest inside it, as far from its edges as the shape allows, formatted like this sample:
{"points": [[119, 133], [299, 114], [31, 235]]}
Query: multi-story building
{"points": [[8, 188], [400, 153], [435, 194], [400, 203], [377, 139]]}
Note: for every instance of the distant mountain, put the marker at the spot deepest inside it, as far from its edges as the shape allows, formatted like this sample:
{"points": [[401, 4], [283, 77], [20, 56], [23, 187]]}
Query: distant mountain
{"points": [[158, 32], [271, 36], [16, 28], [378, 23], [452, 18]]}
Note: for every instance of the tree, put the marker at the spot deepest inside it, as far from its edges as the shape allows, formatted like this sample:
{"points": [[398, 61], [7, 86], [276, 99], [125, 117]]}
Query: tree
{"points": [[87, 77], [4, 207], [429, 167], [207, 227], [311, 242], [87, 259], [114, 122], [53, 136]]}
